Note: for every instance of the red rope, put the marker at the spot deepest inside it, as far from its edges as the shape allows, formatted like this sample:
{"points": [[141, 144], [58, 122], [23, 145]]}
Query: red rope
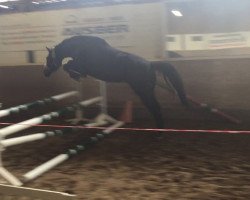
{"points": [[140, 129]]}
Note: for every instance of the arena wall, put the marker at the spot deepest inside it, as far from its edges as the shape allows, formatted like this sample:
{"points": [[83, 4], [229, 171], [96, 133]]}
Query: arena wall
{"points": [[222, 83]]}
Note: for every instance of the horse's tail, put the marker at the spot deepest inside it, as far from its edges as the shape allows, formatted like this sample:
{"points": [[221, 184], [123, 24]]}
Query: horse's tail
{"points": [[171, 75]]}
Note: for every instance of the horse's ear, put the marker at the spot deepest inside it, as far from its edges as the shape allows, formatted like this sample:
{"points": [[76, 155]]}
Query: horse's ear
{"points": [[48, 49]]}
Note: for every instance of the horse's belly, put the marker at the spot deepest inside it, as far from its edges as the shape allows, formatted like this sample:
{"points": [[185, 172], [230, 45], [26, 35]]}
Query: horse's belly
{"points": [[109, 74], [114, 66]]}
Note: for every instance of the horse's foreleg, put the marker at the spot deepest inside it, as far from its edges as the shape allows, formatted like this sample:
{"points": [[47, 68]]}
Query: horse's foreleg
{"points": [[71, 68], [147, 96]]}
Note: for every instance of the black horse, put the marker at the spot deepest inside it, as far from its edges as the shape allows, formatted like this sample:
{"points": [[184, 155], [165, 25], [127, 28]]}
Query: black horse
{"points": [[93, 56]]}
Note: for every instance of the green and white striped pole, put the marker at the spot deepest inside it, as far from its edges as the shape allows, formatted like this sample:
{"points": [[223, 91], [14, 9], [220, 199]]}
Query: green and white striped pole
{"points": [[38, 171], [17, 109], [44, 118]]}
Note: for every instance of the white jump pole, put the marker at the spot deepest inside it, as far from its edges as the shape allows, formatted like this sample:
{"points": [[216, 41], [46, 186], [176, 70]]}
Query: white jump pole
{"points": [[38, 120], [64, 95], [16, 109], [39, 136], [38, 171], [90, 101], [27, 138], [23, 139], [36, 136], [27, 124]]}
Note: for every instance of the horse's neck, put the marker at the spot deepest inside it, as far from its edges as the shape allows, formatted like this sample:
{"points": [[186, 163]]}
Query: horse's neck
{"points": [[62, 51]]}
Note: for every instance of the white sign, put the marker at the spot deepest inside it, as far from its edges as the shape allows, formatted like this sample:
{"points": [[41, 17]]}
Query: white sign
{"points": [[136, 28], [227, 40]]}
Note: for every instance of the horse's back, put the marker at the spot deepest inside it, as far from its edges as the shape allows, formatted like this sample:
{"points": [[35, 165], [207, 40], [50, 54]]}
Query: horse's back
{"points": [[79, 39], [105, 62]]}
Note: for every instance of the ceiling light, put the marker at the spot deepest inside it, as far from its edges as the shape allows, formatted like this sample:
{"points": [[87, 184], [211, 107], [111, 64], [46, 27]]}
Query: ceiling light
{"points": [[177, 13], [2, 1], [3, 6]]}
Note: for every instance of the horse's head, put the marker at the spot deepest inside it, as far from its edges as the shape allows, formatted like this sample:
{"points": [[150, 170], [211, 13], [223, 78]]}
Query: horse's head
{"points": [[52, 62]]}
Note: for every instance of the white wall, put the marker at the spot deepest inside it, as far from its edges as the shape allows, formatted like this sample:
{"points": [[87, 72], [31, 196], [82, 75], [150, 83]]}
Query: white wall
{"points": [[136, 28]]}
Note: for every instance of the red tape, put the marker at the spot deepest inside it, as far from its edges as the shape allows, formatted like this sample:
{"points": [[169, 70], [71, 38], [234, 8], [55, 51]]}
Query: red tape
{"points": [[139, 129]]}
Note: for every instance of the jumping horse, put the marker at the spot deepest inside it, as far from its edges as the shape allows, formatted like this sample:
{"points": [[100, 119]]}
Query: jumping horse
{"points": [[93, 56]]}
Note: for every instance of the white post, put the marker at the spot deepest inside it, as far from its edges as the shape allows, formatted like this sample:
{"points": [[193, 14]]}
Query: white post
{"points": [[5, 173], [103, 118], [9, 177], [103, 93]]}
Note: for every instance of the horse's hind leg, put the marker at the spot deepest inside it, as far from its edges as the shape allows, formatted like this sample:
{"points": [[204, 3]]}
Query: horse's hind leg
{"points": [[147, 96]]}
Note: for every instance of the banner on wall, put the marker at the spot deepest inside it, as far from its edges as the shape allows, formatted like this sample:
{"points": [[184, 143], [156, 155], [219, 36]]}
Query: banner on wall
{"points": [[213, 41], [136, 28], [227, 40]]}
